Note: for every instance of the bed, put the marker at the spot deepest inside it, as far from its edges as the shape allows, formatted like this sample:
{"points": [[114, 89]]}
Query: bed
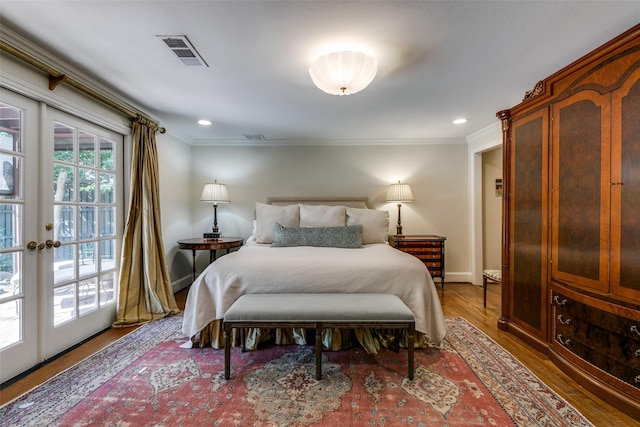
{"points": [[314, 246]]}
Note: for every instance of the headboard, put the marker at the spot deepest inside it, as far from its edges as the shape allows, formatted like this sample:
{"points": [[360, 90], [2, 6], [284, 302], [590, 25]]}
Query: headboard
{"points": [[352, 202]]}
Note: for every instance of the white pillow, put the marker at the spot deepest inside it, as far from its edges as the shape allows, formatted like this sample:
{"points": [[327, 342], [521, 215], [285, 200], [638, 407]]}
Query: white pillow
{"points": [[268, 215], [322, 216], [375, 224]]}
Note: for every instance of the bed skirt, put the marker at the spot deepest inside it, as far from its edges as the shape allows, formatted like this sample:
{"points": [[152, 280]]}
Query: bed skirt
{"points": [[371, 339]]}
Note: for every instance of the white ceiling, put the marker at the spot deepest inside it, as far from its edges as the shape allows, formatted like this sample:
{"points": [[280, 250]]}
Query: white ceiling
{"points": [[437, 60]]}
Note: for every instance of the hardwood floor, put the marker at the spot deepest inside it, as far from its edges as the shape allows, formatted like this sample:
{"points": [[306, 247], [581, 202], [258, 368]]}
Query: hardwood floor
{"points": [[458, 299]]}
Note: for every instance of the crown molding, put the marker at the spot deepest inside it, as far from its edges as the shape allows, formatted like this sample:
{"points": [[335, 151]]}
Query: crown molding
{"points": [[329, 142]]}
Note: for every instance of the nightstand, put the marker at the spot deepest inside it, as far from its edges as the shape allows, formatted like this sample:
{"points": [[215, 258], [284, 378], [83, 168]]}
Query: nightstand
{"points": [[211, 245], [427, 248]]}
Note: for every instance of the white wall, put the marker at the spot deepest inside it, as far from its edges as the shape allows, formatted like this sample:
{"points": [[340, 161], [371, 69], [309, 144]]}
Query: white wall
{"points": [[174, 164], [437, 174]]}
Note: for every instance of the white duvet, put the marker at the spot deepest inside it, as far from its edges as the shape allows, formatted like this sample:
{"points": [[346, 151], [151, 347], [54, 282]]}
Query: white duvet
{"points": [[377, 268]]}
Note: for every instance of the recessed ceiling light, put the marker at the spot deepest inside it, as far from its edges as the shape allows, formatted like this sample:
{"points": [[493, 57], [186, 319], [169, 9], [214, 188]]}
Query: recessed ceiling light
{"points": [[204, 122], [459, 121]]}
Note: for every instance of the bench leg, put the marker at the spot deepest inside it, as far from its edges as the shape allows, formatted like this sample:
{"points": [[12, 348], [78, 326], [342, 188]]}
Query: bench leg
{"points": [[318, 353], [484, 285], [410, 349], [227, 355]]}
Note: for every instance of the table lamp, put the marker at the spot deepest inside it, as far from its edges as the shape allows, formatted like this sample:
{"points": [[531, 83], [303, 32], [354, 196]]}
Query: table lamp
{"points": [[399, 193], [214, 193]]}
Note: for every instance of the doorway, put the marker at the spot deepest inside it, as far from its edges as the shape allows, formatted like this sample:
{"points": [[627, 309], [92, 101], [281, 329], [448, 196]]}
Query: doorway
{"points": [[492, 209]]}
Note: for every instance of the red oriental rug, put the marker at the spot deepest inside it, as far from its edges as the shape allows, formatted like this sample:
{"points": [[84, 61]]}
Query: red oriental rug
{"points": [[147, 379]]}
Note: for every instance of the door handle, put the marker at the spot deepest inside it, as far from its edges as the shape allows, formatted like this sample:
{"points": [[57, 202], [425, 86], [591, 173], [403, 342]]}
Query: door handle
{"points": [[32, 246], [52, 244]]}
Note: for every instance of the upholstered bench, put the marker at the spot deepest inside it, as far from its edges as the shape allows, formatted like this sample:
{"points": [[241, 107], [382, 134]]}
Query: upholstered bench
{"points": [[317, 311], [494, 276]]}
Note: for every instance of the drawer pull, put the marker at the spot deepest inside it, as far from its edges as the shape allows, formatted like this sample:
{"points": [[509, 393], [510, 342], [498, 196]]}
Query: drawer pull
{"points": [[564, 322], [637, 353], [565, 342], [634, 328], [637, 379], [559, 301]]}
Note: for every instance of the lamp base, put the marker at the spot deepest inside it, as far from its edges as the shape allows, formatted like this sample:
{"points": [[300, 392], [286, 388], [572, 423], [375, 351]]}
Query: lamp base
{"points": [[211, 235]]}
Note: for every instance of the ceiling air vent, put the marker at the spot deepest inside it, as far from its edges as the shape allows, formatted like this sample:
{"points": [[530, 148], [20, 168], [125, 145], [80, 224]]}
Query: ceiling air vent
{"points": [[184, 50], [254, 136]]}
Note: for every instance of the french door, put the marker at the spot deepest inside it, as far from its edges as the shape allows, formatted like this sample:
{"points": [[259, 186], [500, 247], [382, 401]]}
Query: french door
{"points": [[19, 293], [60, 231], [81, 192]]}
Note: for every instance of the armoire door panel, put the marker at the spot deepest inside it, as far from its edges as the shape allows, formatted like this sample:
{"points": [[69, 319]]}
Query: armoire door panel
{"points": [[580, 230], [528, 207], [625, 190]]}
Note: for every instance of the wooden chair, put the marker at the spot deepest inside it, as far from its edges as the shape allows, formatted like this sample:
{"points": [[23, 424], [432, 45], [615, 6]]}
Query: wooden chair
{"points": [[494, 276]]}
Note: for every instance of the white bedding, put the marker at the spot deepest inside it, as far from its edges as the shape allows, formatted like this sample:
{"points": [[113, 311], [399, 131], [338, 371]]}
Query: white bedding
{"points": [[376, 268]]}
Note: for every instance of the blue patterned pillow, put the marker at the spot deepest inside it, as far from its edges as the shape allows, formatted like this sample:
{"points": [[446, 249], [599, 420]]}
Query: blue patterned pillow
{"points": [[348, 236]]}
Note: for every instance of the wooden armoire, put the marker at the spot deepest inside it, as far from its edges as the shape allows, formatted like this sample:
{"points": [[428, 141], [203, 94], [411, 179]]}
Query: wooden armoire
{"points": [[571, 220]]}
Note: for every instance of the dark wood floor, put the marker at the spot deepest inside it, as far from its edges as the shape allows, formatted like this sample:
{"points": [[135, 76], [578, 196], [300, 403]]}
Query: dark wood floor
{"points": [[458, 299]]}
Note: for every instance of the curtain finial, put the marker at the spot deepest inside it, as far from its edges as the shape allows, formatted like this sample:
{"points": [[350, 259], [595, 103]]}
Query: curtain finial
{"points": [[148, 122]]}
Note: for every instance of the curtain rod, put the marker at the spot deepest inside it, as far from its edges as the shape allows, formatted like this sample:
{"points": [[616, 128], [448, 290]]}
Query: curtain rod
{"points": [[55, 78]]}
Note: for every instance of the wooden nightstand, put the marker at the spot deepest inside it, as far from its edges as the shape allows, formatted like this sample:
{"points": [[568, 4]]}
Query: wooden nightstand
{"points": [[427, 248], [211, 245]]}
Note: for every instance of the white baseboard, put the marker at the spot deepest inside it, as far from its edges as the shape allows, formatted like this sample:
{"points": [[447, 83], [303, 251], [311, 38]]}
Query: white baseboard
{"points": [[457, 277], [183, 282]]}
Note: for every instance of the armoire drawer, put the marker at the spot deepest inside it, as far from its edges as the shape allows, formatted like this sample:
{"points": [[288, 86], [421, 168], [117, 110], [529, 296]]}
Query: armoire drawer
{"points": [[626, 372], [604, 319], [603, 339]]}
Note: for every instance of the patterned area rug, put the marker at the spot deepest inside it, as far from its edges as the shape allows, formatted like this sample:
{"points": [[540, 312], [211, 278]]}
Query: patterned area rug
{"points": [[147, 379]]}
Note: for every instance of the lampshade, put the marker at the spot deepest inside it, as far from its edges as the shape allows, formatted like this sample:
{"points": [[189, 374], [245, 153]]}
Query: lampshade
{"points": [[343, 73], [214, 193], [399, 193]]}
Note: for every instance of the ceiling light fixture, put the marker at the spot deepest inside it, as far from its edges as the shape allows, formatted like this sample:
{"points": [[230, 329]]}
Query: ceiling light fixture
{"points": [[343, 73], [459, 121], [204, 122]]}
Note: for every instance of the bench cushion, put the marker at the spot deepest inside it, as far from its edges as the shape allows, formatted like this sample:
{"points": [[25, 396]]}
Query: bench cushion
{"points": [[318, 307], [495, 275]]}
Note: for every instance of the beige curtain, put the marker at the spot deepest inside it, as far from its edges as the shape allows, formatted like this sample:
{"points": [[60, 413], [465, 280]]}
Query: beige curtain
{"points": [[145, 287]]}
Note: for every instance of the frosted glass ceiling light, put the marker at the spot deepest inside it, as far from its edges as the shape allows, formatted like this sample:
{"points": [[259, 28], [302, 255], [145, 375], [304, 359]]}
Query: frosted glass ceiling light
{"points": [[343, 73]]}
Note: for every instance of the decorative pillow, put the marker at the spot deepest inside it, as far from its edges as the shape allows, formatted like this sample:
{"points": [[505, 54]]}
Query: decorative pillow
{"points": [[322, 216], [268, 215], [375, 224], [346, 236]]}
